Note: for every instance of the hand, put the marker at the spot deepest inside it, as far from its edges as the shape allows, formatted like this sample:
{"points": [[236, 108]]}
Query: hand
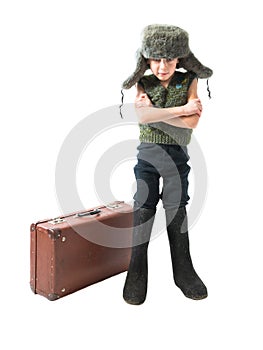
{"points": [[142, 101], [193, 106]]}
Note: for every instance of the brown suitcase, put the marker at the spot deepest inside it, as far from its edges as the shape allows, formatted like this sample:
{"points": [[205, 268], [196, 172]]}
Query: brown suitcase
{"points": [[74, 251]]}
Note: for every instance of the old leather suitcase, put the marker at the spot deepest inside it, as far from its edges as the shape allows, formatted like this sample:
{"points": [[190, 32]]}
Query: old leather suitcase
{"points": [[74, 251]]}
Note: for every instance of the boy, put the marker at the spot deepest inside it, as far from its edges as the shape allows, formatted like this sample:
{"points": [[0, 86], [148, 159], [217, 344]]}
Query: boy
{"points": [[168, 108]]}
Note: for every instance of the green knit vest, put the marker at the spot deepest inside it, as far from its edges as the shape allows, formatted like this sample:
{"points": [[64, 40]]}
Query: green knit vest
{"points": [[174, 95]]}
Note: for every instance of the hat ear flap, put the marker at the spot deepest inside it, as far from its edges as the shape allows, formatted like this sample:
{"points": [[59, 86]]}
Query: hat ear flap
{"points": [[191, 63], [141, 67]]}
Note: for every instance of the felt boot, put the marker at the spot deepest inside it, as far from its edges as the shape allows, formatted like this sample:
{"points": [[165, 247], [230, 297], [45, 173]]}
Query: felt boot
{"points": [[184, 273], [135, 287]]}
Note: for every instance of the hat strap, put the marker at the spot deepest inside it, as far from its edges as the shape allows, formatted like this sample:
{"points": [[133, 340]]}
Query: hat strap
{"points": [[120, 106], [208, 89]]}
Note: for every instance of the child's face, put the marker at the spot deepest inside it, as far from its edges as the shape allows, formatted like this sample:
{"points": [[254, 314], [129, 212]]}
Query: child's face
{"points": [[163, 68]]}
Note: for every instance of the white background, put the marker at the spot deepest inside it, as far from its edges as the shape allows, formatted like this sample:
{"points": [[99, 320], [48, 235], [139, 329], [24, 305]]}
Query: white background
{"points": [[63, 60]]}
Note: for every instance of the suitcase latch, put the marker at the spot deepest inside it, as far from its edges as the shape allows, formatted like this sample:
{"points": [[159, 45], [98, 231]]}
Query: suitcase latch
{"points": [[88, 213], [114, 205], [56, 221]]}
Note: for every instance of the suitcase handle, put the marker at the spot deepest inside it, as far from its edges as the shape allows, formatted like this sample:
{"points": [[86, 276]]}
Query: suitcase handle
{"points": [[88, 213]]}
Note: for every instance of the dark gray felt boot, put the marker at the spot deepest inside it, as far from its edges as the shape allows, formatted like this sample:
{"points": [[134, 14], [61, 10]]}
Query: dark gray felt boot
{"points": [[135, 288], [184, 273]]}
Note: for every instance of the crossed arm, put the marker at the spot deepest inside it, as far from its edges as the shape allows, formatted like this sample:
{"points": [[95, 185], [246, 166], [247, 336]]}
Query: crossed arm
{"points": [[186, 116]]}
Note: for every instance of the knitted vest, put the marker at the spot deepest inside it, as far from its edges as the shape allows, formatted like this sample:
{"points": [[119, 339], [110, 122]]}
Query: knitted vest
{"points": [[174, 95]]}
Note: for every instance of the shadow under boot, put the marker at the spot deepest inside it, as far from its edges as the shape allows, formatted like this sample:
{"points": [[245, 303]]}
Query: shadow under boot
{"points": [[135, 287], [184, 273]]}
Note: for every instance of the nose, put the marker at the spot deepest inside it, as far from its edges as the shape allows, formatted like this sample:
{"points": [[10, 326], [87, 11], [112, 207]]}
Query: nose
{"points": [[163, 63]]}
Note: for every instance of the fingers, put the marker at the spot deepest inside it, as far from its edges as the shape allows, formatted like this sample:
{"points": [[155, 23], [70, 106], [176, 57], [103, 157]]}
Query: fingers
{"points": [[143, 100], [195, 106], [199, 106]]}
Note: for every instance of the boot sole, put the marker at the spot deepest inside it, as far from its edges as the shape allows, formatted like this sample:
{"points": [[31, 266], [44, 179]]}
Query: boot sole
{"points": [[134, 302], [196, 297]]}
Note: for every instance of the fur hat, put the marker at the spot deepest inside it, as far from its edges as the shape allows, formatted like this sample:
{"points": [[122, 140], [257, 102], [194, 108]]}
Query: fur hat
{"points": [[165, 41]]}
